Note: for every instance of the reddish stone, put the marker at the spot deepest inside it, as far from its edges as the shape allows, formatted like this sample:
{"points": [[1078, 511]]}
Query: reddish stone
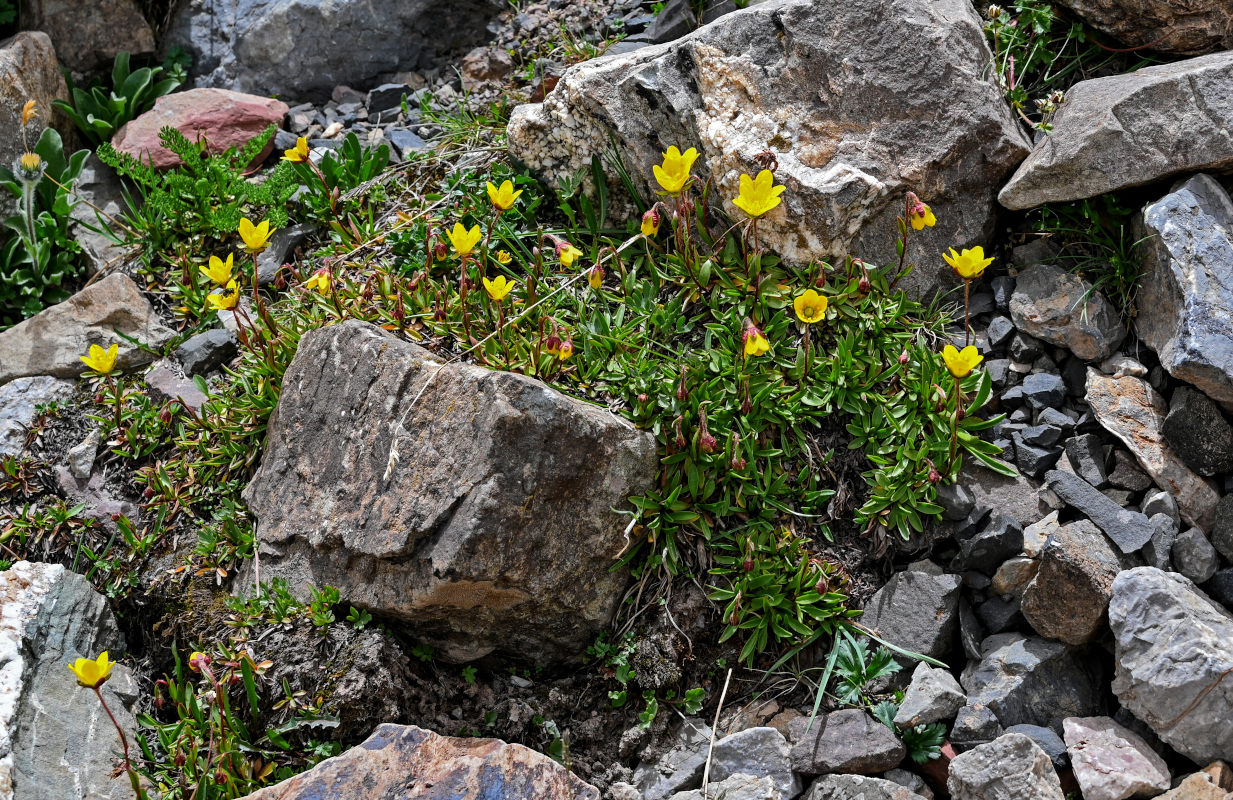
{"points": [[222, 117]]}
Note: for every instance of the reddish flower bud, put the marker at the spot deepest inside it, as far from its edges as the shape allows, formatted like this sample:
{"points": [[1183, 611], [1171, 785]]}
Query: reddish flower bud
{"points": [[864, 286], [934, 475], [220, 776], [280, 281], [903, 357], [746, 405], [148, 493], [180, 758], [441, 251], [707, 442], [748, 565], [642, 397]]}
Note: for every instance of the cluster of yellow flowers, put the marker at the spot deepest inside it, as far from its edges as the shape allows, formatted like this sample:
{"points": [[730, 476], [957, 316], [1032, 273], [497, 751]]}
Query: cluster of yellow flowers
{"points": [[760, 195]]}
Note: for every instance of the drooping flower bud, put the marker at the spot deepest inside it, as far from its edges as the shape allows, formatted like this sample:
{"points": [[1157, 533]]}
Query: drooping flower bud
{"points": [[903, 357]]}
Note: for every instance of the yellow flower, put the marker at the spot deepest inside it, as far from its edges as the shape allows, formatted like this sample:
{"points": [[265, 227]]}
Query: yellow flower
{"points": [[255, 237], [498, 287], [650, 223], [225, 298], [92, 673], [28, 112], [755, 341], [505, 197], [219, 271], [961, 362], [567, 350], [503, 257], [299, 153], [970, 263], [674, 173], [568, 254], [595, 276], [464, 240], [922, 217], [320, 281], [102, 361], [810, 306], [758, 195], [30, 161]]}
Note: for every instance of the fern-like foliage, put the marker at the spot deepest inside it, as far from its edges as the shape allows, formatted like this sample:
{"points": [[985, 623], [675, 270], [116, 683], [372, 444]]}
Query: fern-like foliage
{"points": [[206, 195]]}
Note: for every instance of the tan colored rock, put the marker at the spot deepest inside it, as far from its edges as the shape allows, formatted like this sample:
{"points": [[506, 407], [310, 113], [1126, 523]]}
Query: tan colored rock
{"points": [[853, 121], [1188, 28], [1063, 309], [403, 762], [88, 34], [1131, 410], [475, 505], [1068, 598], [53, 341], [222, 117], [1198, 786]]}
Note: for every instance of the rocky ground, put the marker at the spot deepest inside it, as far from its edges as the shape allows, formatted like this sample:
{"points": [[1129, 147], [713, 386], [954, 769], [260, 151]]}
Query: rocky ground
{"points": [[1059, 627]]}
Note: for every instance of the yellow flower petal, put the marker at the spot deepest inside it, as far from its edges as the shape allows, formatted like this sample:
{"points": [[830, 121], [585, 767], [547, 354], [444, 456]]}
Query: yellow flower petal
{"points": [[92, 673], [810, 306], [961, 362]]}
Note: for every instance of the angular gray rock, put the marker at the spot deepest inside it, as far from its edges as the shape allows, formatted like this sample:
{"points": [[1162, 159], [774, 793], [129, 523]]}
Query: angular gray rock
{"points": [[857, 787], [207, 351], [933, 696], [1018, 497], [19, 402], [1029, 680], [1132, 411], [478, 505], [975, 724], [88, 34], [1012, 767], [916, 610], [1193, 555], [1111, 762], [1174, 655], [100, 186], [1129, 530], [680, 767], [1198, 432], [53, 341], [734, 787], [55, 739], [1186, 29], [1184, 296], [1109, 136], [1087, 455], [779, 76], [1046, 740], [1069, 596], [1062, 309], [849, 741], [758, 752], [245, 44], [1222, 531]]}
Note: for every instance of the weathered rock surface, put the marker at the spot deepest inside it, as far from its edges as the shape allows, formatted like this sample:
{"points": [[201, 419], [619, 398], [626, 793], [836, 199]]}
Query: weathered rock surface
{"points": [[476, 504], [1174, 655], [850, 741], [1131, 410], [100, 185], [222, 117], [1187, 29], [933, 696], [1112, 762], [1011, 767], [857, 787], [1198, 432], [678, 768], [1198, 786], [1017, 497], [19, 401], [1062, 309], [917, 610], [1069, 596], [55, 739], [824, 87], [1185, 292], [760, 752], [292, 48], [88, 35], [735, 787], [401, 762], [1034, 681], [28, 71], [1109, 136], [1128, 529], [53, 341]]}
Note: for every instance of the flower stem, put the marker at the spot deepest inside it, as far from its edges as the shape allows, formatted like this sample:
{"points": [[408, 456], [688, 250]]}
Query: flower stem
{"points": [[128, 764], [967, 316]]}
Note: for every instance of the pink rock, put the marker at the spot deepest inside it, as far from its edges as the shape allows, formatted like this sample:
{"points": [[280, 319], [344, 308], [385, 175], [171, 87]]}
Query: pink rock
{"points": [[1111, 762], [223, 117]]}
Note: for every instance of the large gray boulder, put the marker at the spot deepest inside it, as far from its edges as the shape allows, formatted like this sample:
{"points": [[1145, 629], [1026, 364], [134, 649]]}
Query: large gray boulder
{"points": [[1132, 411], [859, 102], [89, 34], [1012, 767], [53, 341], [1065, 310], [1189, 28], [479, 505], [55, 739], [1112, 132], [304, 48], [1174, 655], [1186, 299], [1033, 681]]}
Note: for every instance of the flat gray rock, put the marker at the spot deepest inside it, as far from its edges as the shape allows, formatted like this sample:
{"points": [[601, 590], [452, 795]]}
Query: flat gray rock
{"points": [[1064, 310], [1115, 132], [1011, 767], [19, 402]]}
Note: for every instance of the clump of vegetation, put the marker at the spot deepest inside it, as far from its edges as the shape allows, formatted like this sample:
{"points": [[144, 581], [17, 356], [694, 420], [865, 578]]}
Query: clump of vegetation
{"points": [[99, 111]]}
